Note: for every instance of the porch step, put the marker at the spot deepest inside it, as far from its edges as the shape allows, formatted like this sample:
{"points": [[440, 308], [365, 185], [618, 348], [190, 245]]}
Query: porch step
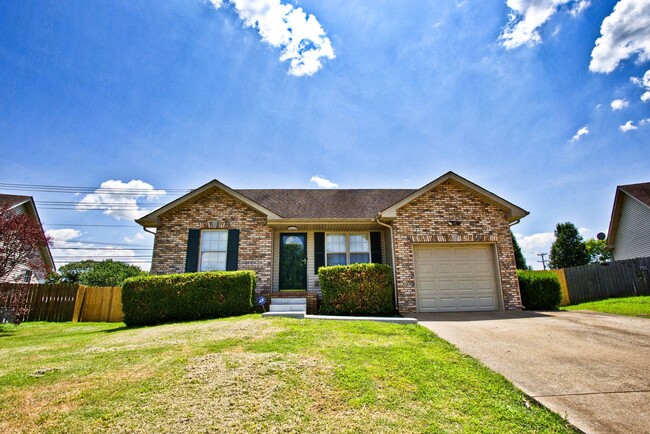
{"points": [[299, 315], [292, 300], [288, 307]]}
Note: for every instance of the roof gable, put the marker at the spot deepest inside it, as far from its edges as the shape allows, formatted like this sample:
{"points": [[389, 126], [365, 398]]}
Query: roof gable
{"points": [[12, 201], [151, 219], [514, 212], [639, 192]]}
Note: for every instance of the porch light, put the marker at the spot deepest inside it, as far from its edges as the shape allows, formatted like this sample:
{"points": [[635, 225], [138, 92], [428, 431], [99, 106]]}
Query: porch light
{"points": [[454, 222], [292, 228]]}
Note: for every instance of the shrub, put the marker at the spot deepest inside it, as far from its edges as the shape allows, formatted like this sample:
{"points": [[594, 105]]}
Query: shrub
{"points": [[150, 300], [357, 289], [539, 290]]}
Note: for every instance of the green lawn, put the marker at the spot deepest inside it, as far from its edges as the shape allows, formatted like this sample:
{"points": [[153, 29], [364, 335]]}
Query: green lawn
{"points": [[630, 306], [250, 374]]}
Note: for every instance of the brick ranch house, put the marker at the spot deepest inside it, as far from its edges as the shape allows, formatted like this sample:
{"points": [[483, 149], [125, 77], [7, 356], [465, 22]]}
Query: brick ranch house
{"points": [[448, 242]]}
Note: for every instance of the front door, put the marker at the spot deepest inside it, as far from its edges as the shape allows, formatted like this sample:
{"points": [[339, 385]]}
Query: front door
{"points": [[293, 261]]}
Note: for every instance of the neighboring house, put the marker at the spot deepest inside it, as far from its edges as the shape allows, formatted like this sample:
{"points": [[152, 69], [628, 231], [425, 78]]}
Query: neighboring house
{"points": [[629, 227], [448, 242], [26, 205]]}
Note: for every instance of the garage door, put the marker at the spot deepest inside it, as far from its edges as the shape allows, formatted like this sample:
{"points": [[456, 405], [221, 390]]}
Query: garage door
{"points": [[456, 278]]}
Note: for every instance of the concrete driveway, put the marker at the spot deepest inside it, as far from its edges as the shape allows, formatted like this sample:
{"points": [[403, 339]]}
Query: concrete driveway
{"points": [[592, 368]]}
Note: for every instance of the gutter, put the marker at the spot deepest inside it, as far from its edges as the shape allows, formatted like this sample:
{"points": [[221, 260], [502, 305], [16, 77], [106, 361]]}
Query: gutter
{"points": [[392, 249]]}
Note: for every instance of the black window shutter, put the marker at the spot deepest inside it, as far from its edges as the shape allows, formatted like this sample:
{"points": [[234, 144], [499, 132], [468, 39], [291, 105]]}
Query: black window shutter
{"points": [[319, 251], [375, 247], [192, 256], [232, 256]]}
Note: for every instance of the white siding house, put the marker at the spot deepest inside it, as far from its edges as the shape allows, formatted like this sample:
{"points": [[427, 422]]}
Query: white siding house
{"points": [[629, 228]]}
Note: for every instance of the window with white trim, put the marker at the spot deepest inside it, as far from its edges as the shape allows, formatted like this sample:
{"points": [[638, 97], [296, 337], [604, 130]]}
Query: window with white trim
{"points": [[344, 249], [214, 247], [27, 277]]}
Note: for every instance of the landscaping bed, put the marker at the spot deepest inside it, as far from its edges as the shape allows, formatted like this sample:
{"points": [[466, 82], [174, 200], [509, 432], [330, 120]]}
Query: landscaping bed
{"points": [[252, 375]]}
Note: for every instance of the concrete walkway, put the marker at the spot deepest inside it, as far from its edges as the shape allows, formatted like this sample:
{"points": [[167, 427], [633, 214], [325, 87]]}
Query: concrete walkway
{"points": [[592, 368]]}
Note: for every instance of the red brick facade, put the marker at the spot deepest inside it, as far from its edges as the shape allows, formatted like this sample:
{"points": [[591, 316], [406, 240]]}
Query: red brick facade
{"points": [[214, 209], [427, 220]]}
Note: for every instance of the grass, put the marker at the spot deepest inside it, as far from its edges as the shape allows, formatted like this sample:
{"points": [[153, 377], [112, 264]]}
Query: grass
{"points": [[630, 306], [250, 374]]}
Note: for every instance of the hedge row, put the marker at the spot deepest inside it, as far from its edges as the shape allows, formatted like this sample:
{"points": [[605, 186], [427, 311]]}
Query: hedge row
{"points": [[540, 290], [148, 300], [357, 289]]}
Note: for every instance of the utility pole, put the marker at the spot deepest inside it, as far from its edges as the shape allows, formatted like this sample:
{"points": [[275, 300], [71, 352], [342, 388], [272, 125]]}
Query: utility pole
{"points": [[542, 261]]}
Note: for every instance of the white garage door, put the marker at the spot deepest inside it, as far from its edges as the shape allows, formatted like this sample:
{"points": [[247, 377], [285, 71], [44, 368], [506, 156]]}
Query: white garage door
{"points": [[455, 278]]}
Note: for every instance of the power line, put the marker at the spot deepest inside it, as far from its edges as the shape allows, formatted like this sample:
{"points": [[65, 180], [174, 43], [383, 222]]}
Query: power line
{"points": [[80, 189], [108, 249], [87, 225]]}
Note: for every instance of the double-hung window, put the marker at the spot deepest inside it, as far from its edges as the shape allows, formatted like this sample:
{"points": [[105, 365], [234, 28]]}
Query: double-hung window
{"points": [[214, 246], [344, 249]]}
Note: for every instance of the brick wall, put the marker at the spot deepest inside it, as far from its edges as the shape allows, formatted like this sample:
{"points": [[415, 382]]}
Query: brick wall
{"points": [[214, 210], [426, 220]]}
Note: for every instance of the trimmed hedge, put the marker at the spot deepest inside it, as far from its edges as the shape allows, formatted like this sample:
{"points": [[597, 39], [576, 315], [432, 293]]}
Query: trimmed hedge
{"points": [[148, 300], [357, 289], [540, 290]]}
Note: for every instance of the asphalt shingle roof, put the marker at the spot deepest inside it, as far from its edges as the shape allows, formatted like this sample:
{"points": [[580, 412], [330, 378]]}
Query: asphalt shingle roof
{"points": [[326, 204], [10, 200], [639, 191]]}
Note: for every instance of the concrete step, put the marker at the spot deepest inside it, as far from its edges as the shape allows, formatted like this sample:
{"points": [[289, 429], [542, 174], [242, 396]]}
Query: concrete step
{"points": [[288, 307], [293, 300], [299, 315]]}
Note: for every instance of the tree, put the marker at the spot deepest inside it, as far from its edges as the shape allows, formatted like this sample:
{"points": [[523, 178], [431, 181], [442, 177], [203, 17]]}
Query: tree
{"points": [[597, 251], [568, 249], [519, 257], [96, 273], [21, 241]]}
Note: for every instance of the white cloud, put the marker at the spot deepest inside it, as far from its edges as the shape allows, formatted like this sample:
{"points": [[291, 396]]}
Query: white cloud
{"points": [[301, 37], [66, 248], [624, 33], [581, 132], [322, 182], [628, 126], [579, 7], [644, 122], [528, 16], [137, 237], [644, 83], [619, 104], [119, 199], [62, 235]]}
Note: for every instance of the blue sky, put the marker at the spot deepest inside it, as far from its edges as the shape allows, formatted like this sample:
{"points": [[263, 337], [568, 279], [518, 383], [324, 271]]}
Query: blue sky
{"points": [[513, 96]]}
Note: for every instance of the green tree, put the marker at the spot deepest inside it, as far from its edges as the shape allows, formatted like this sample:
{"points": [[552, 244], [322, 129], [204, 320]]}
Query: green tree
{"points": [[519, 257], [96, 273], [568, 249], [597, 251]]}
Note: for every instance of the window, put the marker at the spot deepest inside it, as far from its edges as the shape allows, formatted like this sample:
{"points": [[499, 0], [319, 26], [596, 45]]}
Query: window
{"points": [[214, 245], [27, 277], [343, 249], [359, 248]]}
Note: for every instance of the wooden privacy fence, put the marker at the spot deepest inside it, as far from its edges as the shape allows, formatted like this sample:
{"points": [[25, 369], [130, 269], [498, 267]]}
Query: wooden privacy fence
{"points": [[66, 302], [614, 279]]}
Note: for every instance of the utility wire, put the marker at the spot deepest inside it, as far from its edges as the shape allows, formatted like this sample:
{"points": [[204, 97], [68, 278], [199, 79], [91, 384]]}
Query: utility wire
{"points": [[79, 189]]}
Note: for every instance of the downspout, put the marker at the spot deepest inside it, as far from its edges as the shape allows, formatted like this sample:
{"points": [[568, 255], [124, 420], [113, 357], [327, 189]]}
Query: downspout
{"points": [[516, 222], [392, 249], [145, 229]]}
